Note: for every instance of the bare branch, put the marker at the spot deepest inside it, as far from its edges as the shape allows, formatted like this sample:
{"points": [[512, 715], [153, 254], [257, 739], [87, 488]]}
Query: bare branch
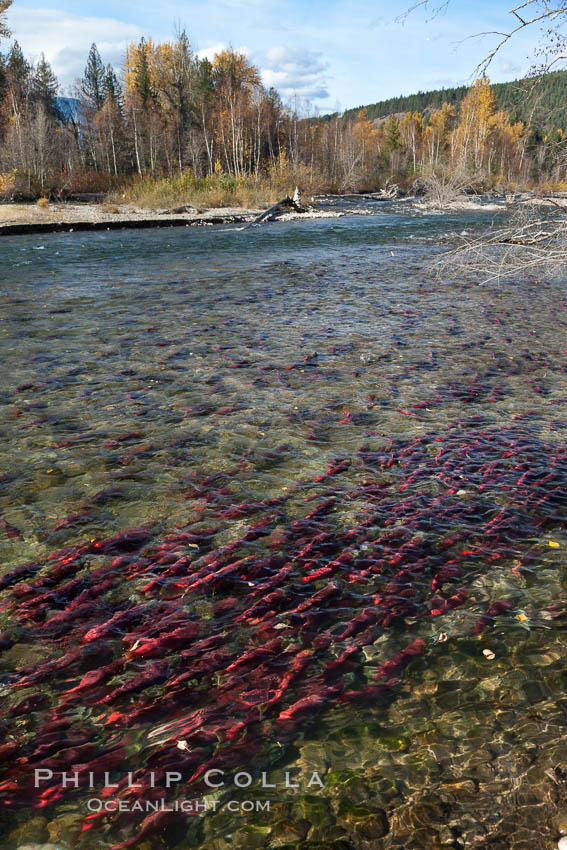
{"points": [[519, 17], [425, 4], [440, 188], [529, 243], [541, 12]]}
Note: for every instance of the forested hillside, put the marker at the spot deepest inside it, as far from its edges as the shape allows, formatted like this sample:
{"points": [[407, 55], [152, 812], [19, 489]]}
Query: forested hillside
{"points": [[542, 101]]}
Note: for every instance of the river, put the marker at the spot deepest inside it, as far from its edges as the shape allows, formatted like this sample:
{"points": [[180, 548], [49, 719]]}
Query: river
{"points": [[283, 534]]}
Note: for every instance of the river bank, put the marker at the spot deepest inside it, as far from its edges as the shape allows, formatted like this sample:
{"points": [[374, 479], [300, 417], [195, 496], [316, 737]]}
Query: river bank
{"points": [[27, 218], [68, 217]]}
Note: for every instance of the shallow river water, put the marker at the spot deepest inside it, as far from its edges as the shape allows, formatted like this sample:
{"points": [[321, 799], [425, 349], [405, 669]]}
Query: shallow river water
{"points": [[282, 533]]}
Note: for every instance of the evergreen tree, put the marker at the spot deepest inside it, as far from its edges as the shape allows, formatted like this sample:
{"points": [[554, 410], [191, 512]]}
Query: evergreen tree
{"points": [[392, 135], [17, 63], [143, 79], [45, 86], [92, 84], [18, 73], [111, 86], [176, 78], [273, 98], [204, 84]]}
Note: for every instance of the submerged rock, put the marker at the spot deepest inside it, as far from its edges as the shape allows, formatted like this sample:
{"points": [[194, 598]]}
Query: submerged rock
{"points": [[32, 830], [365, 822], [560, 822], [65, 827], [291, 832]]}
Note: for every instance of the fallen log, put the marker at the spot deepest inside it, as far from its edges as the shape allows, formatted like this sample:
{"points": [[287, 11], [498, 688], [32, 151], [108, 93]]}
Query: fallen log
{"points": [[184, 208], [285, 202]]}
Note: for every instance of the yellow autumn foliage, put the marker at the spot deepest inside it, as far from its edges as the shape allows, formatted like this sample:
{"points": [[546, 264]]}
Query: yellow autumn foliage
{"points": [[7, 183], [470, 136]]}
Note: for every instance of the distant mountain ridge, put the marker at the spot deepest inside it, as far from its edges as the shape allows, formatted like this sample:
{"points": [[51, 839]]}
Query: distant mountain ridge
{"points": [[544, 101], [68, 107]]}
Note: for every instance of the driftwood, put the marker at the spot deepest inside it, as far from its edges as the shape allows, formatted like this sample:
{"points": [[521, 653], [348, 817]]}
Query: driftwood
{"points": [[185, 208], [288, 201], [389, 192], [533, 239]]}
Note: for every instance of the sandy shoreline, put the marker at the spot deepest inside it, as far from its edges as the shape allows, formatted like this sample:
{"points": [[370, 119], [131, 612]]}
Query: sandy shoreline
{"points": [[30, 218]]}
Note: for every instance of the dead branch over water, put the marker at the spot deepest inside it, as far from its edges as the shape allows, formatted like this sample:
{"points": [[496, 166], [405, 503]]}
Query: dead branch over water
{"points": [[530, 242]]}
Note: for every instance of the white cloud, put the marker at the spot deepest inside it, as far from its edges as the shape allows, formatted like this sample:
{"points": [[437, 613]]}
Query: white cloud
{"points": [[210, 52], [295, 71], [65, 39]]}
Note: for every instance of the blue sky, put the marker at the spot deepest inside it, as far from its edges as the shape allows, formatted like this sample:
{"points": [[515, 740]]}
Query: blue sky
{"points": [[331, 53]]}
